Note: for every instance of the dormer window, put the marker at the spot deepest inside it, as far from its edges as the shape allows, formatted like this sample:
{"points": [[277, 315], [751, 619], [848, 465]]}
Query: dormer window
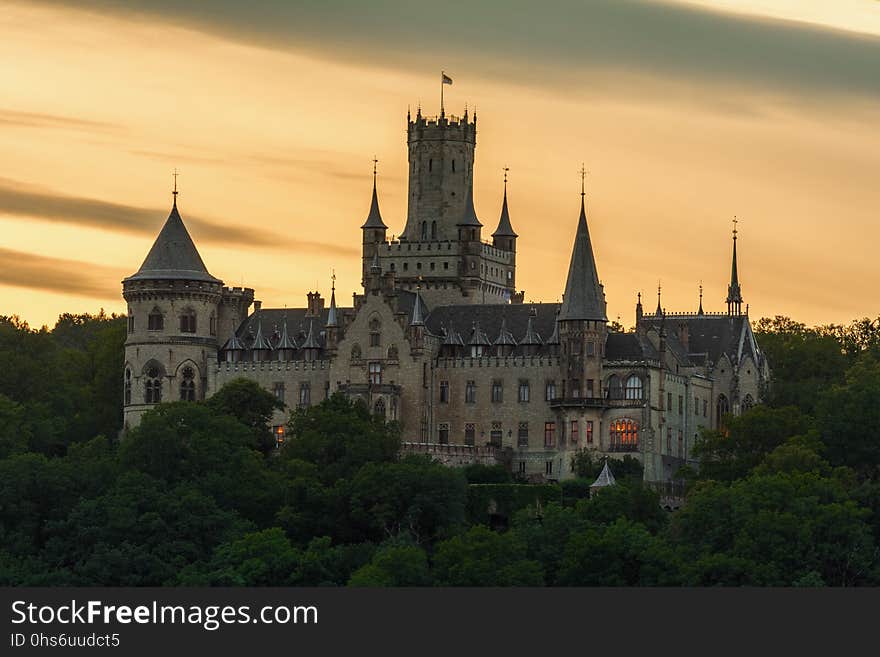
{"points": [[188, 385]]}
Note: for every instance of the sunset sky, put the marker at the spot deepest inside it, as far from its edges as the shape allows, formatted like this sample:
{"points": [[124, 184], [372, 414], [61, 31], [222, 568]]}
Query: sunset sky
{"points": [[685, 114]]}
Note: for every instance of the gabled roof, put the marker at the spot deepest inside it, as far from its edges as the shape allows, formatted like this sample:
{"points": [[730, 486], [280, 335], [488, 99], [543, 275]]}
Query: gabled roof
{"points": [[584, 298], [531, 337], [311, 341], [286, 342], [174, 255], [233, 344], [478, 336], [505, 337], [259, 341]]}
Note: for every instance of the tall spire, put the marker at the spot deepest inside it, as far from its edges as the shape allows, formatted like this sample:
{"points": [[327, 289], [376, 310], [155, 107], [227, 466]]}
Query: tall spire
{"points": [[332, 320], [504, 228], [659, 310], [700, 311], [418, 311], [374, 219], [584, 298], [734, 294]]}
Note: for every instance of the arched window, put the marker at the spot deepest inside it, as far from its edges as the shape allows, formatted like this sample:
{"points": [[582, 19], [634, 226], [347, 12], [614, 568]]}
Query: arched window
{"points": [[394, 408], [433, 230], [615, 387], [127, 388], [212, 321], [153, 383], [188, 385], [356, 352], [624, 435], [379, 407], [155, 320], [424, 230], [722, 408], [747, 403], [634, 388], [188, 321]]}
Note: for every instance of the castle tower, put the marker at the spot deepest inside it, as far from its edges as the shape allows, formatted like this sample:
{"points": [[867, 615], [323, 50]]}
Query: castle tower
{"points": [[734, 294], [441, 169], [582, 318], [173, 308], [504, 237]]}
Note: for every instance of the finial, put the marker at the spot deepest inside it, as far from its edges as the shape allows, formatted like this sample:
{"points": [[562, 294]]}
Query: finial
{"points": [[174, 191], [505, 169], [333, 280], [375, 162], [735, 222], [583, 179], [639, 297]]}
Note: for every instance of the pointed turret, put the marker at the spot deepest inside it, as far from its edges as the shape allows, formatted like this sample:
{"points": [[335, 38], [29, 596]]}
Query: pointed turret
{"points": [[605, 478], [174, 255], [286, 343], [311, 341], [734, 294], [659, 310], [418, 312], [532, 337], [584, 298], [374, 219], [505, 337], [470, 214], [332, 319], [504, 228]]}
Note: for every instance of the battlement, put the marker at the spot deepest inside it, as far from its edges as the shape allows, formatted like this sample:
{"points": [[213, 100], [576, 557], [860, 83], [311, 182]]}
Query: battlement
{"points": [[684, 315], [443, 127], [513, 361]]}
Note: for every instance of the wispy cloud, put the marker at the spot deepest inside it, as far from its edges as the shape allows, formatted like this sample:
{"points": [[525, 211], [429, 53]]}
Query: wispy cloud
{"points": [[40, 120], [19, 199], [557, 42], [35, 272]]}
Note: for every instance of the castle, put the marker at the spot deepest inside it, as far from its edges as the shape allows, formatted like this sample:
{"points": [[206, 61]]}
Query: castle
{"points": [[441, 342]]}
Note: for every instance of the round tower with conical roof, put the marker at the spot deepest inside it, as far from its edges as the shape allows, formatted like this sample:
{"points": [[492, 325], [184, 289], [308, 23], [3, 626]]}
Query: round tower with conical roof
{"points": [[173, 306]]}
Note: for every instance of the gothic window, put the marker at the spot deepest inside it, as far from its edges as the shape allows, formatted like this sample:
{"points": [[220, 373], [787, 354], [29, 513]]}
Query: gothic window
{"points": [[589, 387], [591, 348], [153, 384], [747, 403], [470, 392], [496, 435], [130, 321], [392, 352], [589, 432], [497, 391], [524, 390], [430, 165], [212, 322], [549, 434], [127, 389], [522, 438], [548, 468], [573, 434], [550, 390], [469, 434], [433, 230], [576, 388], [453, 166], [375, 370], [615, 389], [379, 407], [680, 444], [444, 392], [356, 352], [634, 387], [668, 401], [705, 408], [722, 408], [155, 320], [188, 321], [443, 434], [188, 385], [624, 435], [405, 266], [394, 408], [305, 394], [392, 266], [476, 350], [681, 404], [424, 230], [279, 391]]}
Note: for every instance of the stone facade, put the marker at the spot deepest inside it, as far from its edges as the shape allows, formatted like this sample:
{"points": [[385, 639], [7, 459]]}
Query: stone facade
{"points": [[440, 342]]}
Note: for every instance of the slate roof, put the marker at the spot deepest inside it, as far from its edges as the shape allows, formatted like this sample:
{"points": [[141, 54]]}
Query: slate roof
{"points": [[374, 218], [470, 213], [584, 298], [174, 255], [489, 317], [605, 478], [630, 347]]}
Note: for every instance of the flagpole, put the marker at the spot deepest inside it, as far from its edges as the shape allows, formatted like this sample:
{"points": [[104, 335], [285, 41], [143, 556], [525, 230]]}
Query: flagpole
{"points": [[441, 92]]}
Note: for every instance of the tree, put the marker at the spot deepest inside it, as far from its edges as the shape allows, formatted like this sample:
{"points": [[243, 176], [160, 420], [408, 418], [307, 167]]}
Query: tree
{"points": [[731, 454], [397, 563], [252, 406], [481, 557], [340, 436], [626, 499]]}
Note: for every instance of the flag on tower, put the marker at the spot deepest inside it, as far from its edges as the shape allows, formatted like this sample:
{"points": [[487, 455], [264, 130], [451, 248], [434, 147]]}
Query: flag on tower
{"points": [[446, 78]]}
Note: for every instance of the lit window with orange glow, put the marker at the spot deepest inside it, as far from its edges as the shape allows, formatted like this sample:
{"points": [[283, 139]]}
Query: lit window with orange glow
{"points": [[624, 435]]}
